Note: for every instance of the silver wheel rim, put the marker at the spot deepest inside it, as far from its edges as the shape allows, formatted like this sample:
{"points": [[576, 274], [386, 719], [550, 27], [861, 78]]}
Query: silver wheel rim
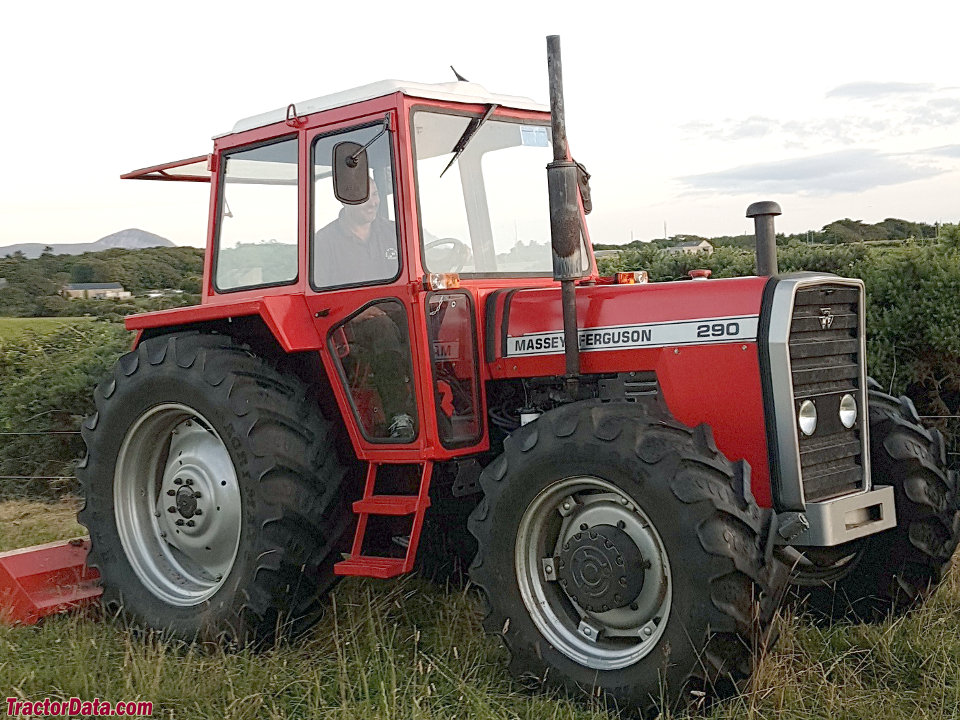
{"points": [[607, 640], [177, 504]]}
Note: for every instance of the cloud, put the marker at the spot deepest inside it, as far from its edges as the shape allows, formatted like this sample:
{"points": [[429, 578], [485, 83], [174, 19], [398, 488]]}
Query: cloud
{"points": [[950, 151], [871, 90], [835, 172], [895, 109]]}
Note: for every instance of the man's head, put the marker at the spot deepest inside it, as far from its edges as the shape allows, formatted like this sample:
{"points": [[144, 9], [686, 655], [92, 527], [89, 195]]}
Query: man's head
{"points": [[364, 213]]}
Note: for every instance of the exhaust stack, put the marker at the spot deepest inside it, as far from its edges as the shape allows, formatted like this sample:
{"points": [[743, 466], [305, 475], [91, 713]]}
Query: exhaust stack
{"points": [[562, 182]]}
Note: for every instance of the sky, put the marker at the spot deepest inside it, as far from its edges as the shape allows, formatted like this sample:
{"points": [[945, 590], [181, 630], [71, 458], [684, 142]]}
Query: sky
{"points": [[683, 112]]}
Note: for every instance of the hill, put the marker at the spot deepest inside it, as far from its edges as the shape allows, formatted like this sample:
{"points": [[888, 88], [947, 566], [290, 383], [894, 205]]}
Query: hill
{"points": [[129, 239]]}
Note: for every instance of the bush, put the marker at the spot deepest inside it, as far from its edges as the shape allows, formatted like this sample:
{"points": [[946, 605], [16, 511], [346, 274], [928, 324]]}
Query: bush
{"points": [[46, 386]]}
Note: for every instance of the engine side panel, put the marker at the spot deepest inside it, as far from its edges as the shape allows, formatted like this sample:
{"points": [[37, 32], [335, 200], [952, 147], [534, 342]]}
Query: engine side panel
{"points": [[700, 338]]}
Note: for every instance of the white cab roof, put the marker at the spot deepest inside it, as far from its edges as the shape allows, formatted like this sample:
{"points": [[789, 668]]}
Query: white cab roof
{"points": [[464, 92]]}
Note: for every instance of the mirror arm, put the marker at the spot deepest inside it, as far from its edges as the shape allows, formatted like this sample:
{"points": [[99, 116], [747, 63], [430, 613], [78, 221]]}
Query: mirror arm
{"points": [[352, 160]]}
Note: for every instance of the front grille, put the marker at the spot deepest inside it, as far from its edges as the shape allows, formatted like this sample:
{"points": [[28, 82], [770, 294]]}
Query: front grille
{"points": [[825, 364]]}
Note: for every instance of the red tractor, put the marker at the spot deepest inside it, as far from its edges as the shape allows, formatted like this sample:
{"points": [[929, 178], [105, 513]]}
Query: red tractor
{"points": [[398, 310]]}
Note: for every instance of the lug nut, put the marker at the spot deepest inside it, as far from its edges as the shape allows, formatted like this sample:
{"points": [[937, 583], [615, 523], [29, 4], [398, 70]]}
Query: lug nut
{"points": [[196, 494], [190, 523], [171, 509], [179, 521], [188, 481], [198, 511], [171, 491], [177, 481]]}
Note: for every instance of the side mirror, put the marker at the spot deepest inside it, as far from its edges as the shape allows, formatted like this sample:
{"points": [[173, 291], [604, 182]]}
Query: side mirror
{"points": [[351, 173]]}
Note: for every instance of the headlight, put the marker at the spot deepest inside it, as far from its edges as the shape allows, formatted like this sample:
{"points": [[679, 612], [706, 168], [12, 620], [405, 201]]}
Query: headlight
{"points": [[807, 417], [848, 411]]}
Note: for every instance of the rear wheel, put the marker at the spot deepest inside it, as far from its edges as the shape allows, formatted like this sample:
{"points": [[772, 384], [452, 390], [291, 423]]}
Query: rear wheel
{"points": [[896, 570], [620, 552], [213, 492]]}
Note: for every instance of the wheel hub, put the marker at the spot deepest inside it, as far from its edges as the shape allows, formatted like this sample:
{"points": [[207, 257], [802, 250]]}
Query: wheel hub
{"points": [[601, 568], [186, 502]]}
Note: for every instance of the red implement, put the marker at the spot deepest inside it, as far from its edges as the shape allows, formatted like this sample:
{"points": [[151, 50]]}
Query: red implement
{"points": [[46, 579]]}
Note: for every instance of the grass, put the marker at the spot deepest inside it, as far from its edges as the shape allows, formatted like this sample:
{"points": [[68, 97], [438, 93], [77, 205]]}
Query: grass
{"points": [[12, 327], [409, 650]]}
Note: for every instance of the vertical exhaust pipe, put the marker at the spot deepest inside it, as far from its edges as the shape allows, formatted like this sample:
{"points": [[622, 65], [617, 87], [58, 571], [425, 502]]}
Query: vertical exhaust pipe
{"points": [[763, 214], [562, 183]]}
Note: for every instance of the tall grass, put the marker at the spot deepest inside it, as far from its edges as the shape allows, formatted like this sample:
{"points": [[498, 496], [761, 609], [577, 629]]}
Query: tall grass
{"points": [[408, 650]]}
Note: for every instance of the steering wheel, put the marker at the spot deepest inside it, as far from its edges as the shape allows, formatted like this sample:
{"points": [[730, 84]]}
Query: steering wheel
{"points": [[459, 253]]}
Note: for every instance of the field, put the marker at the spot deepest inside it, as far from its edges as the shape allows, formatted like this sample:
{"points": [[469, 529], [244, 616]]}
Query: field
{"points": [[12, 327], [408, 649]]}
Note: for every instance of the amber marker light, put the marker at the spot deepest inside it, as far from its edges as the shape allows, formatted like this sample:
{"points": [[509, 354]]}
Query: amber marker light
{"points": [[443, 281], [632, 278]]}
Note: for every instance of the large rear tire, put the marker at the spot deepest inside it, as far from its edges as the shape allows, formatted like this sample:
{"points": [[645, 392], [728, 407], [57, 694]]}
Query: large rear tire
{"points": [[621, 552], [213, 492], [894, 571]]}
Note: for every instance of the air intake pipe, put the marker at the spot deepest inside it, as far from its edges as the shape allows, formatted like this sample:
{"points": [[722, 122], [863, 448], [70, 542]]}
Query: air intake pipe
{"points": [[763, 214]]}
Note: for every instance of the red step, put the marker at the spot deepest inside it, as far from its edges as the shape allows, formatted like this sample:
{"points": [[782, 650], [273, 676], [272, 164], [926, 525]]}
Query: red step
{"points": [[368, 566], [45, 579], [389, 505]]}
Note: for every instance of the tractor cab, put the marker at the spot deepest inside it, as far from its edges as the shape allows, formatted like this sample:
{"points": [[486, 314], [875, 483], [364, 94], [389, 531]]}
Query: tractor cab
{"points": [[393, 210]]}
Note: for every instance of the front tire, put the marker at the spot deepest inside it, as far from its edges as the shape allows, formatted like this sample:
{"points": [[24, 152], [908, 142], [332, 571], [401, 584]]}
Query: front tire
{"points": [[894, 571], [619, 551], [213, 492]]}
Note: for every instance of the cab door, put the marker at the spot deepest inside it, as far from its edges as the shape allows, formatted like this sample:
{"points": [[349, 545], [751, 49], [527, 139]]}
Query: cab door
{"points": [[361, 302]]}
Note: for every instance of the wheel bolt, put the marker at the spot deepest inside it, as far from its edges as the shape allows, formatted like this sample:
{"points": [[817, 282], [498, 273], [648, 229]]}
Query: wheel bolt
{"points": [[584, 526], [188, 481], [171, 491], [179, 522], [177, 481], [171, 509], [647, 631], [190, 523], [196, 494], [634, 607], [621, 524], [198, 511]]}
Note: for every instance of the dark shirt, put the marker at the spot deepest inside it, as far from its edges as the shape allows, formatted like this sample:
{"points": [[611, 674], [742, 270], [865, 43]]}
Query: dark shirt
{"points": [[341, 258]]}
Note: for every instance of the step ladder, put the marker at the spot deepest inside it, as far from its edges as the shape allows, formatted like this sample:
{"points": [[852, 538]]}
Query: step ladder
{"points": [[395, 505]]}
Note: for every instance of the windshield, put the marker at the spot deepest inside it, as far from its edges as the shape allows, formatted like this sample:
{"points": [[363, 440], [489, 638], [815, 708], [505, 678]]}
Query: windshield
{"points": [[489, 212]]}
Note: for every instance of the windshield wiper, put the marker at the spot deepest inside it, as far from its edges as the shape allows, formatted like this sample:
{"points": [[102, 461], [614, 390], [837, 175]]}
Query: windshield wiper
{"points": [[468, 135]]}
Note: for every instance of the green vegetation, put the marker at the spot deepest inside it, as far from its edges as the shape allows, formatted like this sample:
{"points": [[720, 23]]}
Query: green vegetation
{"points": [[13, 327], [47, 375], [889, 231], [33, 286], [407, 649]]}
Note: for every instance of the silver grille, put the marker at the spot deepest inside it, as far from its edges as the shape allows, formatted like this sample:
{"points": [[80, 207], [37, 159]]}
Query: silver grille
{"points": [[825, 365]]}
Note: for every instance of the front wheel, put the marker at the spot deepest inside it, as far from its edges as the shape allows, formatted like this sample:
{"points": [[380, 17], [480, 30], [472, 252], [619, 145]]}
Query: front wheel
{"points": [[896, 570], [619, 551], [213, 492]]}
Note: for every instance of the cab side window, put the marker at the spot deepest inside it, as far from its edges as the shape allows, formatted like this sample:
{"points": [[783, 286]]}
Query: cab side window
{"points": [[354, 244]]}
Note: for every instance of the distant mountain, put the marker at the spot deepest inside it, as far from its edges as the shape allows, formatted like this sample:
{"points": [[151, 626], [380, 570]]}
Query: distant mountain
{"points": [[130, 239]]}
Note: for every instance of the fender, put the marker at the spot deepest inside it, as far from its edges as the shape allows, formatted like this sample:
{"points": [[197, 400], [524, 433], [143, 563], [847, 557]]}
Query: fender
{"points": [[287, 317]]}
